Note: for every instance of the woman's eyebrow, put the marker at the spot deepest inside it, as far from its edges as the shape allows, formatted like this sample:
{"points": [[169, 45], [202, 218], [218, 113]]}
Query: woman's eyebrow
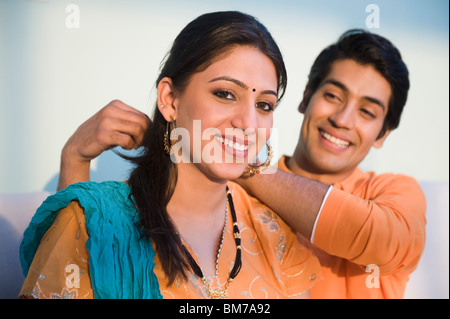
{"points": [[227, 78], [241, 84]]}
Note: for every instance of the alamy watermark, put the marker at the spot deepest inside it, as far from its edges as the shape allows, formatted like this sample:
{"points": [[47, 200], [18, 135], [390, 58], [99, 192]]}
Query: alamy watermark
{"points": [[231, 146], [373, 280], [73, 17], [72, 275], [373, 19]]}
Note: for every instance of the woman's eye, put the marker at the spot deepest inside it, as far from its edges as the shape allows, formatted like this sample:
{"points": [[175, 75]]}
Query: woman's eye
{"points": [[265, 106], [224, 94]]}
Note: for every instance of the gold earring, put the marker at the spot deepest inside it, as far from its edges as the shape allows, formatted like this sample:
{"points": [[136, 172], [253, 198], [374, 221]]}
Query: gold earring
{"points": [[169, 143], [257, 169]]}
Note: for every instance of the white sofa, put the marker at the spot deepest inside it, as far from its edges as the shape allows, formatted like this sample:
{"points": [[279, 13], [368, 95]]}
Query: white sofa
{"points": [[16, 211], [429, 281]]}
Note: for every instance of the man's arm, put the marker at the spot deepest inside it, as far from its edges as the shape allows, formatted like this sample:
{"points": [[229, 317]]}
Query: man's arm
{"points": [[387, 228], [117, 124], [295, 198], [383, 223]]}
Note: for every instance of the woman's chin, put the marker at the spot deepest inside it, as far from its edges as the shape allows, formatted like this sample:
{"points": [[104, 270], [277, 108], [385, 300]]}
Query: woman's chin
{"points": [[225, 172]]}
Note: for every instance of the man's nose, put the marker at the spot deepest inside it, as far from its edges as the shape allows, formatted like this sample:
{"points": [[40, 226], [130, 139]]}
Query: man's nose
{"points": [[344, 117]]}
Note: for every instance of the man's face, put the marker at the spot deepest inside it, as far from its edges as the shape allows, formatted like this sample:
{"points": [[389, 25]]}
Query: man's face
{"points": [[343, 119]]}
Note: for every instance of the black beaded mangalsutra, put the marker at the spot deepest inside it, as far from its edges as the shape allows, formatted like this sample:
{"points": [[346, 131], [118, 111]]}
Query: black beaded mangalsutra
{"points": [[222, 293]]}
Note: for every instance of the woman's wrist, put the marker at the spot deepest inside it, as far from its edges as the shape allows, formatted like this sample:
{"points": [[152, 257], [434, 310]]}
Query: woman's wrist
{"points": [[73, 168]]}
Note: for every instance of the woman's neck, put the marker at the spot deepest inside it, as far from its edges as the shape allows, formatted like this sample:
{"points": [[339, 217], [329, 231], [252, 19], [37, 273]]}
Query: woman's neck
{"points": [[197, 208], [196, 195]]}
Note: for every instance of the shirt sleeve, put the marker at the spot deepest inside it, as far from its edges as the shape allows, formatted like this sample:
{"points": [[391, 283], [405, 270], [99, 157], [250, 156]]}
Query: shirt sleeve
{"points": [[318, 214], [60, 268], [385, 226]]}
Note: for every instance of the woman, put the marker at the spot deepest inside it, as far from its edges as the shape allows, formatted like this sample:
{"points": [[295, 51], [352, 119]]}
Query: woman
{"points": [[178, 228]]}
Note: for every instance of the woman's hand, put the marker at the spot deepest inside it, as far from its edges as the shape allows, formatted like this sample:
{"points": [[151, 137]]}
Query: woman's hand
{"points": [[116, 124]]}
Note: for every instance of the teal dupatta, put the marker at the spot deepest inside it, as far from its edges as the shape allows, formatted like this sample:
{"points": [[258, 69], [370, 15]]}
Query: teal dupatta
{"points": [[121, 262]]}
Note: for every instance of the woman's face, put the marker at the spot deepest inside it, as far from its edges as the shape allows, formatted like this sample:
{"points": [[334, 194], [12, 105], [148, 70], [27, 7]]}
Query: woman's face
{"points": [[226, 113]]}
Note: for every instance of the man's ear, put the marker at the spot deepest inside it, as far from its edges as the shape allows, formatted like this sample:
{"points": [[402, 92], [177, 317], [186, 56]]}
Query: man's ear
{"points": [[304, 103], [380, 141], [167, 101]]}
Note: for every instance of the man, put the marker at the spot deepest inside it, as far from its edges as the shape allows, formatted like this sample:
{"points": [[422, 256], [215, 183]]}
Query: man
{"points": [[367, 230]]}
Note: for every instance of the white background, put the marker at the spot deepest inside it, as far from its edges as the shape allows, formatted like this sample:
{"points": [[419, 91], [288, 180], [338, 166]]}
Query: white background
{"points": [[53, 78]]}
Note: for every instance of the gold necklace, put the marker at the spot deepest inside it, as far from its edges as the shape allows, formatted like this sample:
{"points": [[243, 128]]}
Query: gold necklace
{"points": [[219, 293]]}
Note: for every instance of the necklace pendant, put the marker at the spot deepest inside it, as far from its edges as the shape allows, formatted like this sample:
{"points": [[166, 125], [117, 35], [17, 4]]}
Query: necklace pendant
{"points": [[218, 293]]}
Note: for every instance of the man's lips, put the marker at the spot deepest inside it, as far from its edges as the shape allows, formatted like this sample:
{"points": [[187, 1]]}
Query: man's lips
{"points": [[342, 143]]}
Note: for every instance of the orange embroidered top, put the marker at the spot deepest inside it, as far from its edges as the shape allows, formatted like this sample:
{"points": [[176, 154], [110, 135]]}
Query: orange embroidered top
{"points": [[369, 236], [274, 263]]}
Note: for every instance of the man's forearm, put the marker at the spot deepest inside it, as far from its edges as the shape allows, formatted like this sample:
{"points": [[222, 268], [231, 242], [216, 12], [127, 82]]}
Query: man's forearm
{"points": [[295, 198]]}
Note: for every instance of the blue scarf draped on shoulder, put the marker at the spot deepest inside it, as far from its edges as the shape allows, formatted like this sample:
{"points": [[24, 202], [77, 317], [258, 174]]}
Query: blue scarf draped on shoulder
{"points": [[121, 262]]}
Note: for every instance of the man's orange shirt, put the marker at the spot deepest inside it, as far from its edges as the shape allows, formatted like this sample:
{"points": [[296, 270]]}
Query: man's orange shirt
{"points": [[369, 236]]}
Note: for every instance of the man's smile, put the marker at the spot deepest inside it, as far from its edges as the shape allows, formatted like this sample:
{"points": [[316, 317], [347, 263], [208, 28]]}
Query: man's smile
{"points": [[334, 140]]}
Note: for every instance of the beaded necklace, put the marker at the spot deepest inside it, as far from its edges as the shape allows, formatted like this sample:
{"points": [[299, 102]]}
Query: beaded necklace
{"points": [[219, 293]]}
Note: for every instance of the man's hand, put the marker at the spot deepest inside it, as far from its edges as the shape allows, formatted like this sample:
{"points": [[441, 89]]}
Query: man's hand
{"points": [[117, 124]]}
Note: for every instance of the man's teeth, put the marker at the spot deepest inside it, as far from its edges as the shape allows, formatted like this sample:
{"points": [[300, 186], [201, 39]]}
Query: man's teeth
{"points": [[335, 140], [229, 143]]}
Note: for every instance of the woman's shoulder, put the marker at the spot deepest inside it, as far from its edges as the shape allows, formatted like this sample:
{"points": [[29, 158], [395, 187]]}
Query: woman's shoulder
{"points": [[88, 201], [108, 197], [293, 263], [114, 191], [105, 217], [62, 250], [240, 194], [250, 205], [253, 214]]}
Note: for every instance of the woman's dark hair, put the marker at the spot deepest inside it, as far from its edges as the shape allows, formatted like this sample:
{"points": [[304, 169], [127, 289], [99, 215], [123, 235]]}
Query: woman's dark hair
{"points": [[367, 49], [153, 180]]}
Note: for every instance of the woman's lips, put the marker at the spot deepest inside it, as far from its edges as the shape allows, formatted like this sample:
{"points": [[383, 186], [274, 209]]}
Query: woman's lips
{"points": [[234, 146]]}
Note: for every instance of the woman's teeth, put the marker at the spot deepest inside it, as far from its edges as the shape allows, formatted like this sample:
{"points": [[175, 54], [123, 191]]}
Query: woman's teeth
{"points": [[229, 143]]}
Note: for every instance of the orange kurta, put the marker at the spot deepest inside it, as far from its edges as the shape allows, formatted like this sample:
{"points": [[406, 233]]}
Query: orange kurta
{"points": [[274, 263], [369, 235]]}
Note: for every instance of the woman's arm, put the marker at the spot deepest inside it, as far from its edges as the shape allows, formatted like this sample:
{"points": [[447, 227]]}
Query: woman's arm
{"points": [[117, 124]]}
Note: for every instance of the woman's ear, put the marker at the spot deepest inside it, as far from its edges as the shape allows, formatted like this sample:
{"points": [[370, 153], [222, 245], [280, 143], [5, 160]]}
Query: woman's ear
{"points": [[167, 101]]}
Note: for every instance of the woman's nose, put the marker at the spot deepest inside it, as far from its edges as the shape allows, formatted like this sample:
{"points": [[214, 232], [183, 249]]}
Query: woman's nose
{"points": [[245, 117]]}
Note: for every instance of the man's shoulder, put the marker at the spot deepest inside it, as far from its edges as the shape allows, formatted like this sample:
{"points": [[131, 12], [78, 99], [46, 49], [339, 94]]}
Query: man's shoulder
{"points": [[389, 178], [371, 182]]}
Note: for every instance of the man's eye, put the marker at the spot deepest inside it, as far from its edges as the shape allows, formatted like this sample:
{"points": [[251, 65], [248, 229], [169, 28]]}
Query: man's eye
{"points": [[331, 97], [369, 114], [224, 94]]}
